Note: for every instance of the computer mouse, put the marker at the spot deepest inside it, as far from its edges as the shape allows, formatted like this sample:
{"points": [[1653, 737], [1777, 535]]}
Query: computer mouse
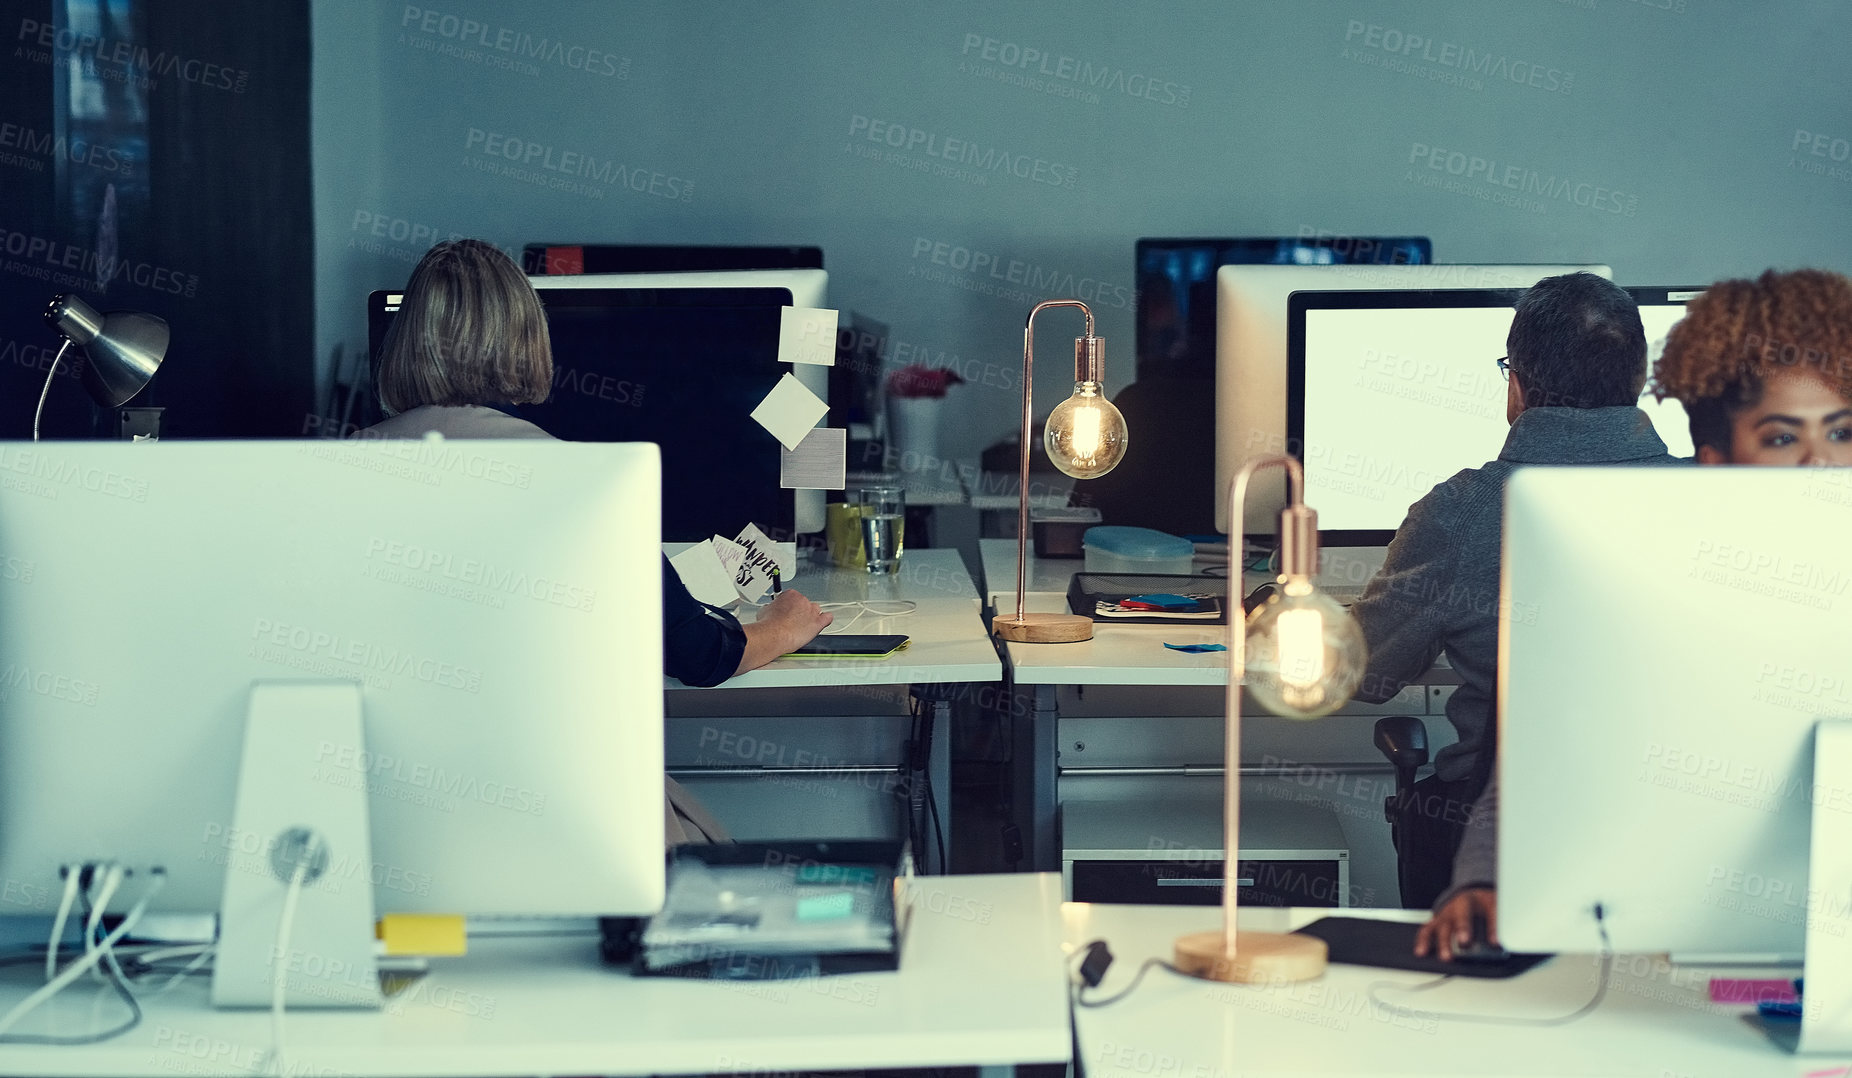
{"points": [[1479, 949]]}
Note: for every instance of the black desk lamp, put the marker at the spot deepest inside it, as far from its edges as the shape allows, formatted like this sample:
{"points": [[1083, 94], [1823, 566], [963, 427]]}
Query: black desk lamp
{"points": [[122, 348]]}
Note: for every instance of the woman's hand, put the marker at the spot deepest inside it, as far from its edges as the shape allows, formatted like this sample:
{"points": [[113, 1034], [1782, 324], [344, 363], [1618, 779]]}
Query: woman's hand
{"points": [[785, 624]]}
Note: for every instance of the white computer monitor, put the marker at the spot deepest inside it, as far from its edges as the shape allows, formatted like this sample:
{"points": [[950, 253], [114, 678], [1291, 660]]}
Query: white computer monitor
{"points": [[1391, 392], [1250, 349], [809, 288], [497, 603], [1669, 639]]}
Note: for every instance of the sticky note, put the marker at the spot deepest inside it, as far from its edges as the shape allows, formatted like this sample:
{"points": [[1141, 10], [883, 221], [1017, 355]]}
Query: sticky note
{"points": [[729, 552], [753, 578], [820, 461], [825, 907], [423, 933], [705, 576], [807, 335], [789, 411]]}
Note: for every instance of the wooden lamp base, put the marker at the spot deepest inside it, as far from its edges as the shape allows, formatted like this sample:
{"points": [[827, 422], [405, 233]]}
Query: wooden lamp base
{"points": [[1260, 957], [1042, 628]]}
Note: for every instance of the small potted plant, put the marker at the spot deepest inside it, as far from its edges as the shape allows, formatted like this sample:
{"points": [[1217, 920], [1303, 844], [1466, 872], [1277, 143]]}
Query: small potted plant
{"points": [[915, 398]]}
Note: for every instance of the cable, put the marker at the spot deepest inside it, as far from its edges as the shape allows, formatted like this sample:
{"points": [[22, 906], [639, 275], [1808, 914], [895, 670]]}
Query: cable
{"points": [[938, 832], [57, 925], [46, 392], [286, 925], [93, 922], [146, 960], [867, 606], [1127, 990], [93, 953], [133, 1020], [1601, 991]]}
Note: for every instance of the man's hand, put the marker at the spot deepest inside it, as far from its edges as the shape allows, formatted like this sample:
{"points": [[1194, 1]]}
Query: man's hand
{"points": [[1451, 926], [785, 624]]}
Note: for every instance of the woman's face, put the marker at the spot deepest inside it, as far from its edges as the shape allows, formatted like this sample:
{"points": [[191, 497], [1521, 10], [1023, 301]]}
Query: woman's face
{"points": [[1799, 420]]}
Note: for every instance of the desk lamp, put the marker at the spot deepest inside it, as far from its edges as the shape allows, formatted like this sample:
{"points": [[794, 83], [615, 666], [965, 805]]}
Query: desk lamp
{"points": [[123, 349], [1085, 437], [1302, 656]]}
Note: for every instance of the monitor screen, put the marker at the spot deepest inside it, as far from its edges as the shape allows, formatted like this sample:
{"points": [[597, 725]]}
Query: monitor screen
{"points": [[1174, 332], [682, 368], [570, 258], [1391, 393], [1250, 357]]}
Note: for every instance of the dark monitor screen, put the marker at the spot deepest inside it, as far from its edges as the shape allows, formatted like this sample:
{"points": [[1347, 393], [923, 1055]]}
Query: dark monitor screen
{"points": [[552, 259], [1174, 331], [1389, 393], [680, 367]]}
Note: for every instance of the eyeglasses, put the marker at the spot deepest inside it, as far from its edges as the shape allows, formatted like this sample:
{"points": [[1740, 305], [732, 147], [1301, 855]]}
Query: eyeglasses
{"points": [[1504, 367]]}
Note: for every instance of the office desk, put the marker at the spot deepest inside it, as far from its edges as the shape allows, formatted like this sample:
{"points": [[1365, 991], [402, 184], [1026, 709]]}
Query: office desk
{"points": [[1127, 661], [796, 734], [981, 983], [1655, 1022]]}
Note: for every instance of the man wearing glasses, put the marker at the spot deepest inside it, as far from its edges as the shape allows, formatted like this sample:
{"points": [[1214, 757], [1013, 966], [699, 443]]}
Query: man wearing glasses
{"points": [[1574, 367]]}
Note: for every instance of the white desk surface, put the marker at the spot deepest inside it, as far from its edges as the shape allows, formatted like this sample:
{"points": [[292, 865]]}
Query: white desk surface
{"points": [[950, 642], [1117, 654], [981, 983], [1656, 1021]]}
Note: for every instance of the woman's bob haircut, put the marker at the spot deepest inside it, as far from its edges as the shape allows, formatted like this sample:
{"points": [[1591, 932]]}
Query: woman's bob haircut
{"points": [[469, 331]]}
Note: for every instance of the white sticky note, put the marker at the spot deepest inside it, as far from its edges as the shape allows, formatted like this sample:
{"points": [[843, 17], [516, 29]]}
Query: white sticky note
{"points": [[753, 578], [730, 552], [704, 576], [820, 461], [807, 335], [789, 411]]}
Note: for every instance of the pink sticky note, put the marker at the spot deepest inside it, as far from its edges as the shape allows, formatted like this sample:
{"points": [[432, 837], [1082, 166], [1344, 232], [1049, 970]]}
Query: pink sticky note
{"points": [[1752, 990]]}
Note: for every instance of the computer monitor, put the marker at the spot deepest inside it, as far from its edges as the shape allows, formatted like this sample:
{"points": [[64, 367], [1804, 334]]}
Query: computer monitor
{"points": [[573, 258], [1391, 392], [496, 603], [1250, 350], [1669, 639], [808, 288], [1174, 328], [680, 367]]}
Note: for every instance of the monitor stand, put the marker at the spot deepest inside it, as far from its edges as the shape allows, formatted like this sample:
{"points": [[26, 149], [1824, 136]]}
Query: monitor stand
{"points": [[301, 797], [1826, 995]]}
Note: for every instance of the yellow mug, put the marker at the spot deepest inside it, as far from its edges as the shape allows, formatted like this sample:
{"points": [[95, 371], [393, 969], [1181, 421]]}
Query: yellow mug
{"points": [[842, 533]]}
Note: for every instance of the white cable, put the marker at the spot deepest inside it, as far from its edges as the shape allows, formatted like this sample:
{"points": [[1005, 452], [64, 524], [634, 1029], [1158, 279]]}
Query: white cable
{"points": [[71, 874], [206, 951], [112, 880], [286, 925], [82, 965], [865, 606]]}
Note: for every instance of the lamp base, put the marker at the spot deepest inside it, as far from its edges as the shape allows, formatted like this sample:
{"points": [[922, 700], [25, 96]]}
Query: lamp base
{"points": [[1042, 628], [1260, 957]]}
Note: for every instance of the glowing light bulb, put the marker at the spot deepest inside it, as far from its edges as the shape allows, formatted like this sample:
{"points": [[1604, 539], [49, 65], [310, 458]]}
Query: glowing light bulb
{"points": [[1305, 656], [1085, 435]]}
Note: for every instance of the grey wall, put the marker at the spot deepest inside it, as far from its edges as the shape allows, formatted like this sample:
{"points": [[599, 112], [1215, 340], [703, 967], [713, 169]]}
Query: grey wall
{"points": [[1675, 121]]}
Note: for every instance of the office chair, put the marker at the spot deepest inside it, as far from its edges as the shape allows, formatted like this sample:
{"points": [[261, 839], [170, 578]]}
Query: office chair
{"points": [[1426, 836]]}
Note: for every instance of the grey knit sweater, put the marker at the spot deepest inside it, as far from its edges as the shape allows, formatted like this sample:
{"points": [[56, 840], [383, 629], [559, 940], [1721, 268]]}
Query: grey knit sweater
{"points": [[1438, 588]]}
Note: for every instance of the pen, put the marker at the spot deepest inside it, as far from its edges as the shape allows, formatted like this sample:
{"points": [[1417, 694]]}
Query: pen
{"points": [[774, 580]]}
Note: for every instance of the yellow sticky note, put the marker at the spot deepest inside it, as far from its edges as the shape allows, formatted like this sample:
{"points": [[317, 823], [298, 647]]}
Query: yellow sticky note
{"points": [[423, 933]]}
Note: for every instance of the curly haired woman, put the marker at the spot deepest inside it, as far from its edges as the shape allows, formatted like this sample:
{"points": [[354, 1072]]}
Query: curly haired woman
{"points": [[1764, 369]]}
